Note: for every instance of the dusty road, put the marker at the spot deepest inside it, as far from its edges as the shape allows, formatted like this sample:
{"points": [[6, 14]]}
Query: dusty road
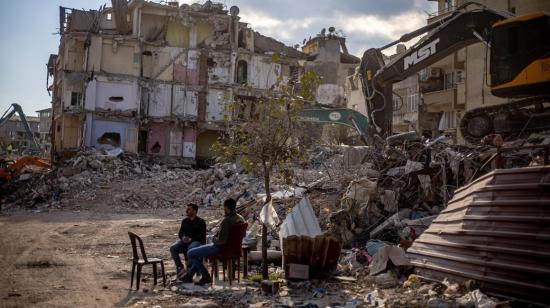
{"points": [[68, 258]]}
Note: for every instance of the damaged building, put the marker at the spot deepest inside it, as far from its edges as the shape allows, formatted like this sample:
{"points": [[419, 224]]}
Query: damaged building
{"points": [[154, 78], [329, 58]]}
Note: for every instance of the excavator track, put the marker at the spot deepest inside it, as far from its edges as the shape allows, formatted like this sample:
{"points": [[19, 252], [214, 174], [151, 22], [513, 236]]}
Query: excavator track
{"points": [[510, 120]]}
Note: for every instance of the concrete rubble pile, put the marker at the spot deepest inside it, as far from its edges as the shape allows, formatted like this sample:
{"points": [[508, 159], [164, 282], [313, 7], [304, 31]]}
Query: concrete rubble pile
{"points": [[377, 201], [397, 192], [158, 183]]}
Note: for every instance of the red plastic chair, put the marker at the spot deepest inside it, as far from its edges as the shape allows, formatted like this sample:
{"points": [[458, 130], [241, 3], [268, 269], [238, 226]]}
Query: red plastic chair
{"points": [[230, 252]]}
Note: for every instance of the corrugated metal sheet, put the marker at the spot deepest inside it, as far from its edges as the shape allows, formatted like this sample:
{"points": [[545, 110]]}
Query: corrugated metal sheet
{"points": [[495, 231], [304, 243], [301, 221]]}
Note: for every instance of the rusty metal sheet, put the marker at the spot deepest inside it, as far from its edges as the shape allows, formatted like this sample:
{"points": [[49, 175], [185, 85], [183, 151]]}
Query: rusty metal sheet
{"points": [[496, 231], [321, 252]]}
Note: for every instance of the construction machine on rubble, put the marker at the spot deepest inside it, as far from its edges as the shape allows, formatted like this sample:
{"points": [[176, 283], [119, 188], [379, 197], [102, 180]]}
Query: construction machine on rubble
{"points": [[519, 69], [16, 108], [12, 169]]}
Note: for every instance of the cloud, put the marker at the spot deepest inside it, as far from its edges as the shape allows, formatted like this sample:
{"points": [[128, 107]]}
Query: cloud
{"points": [[365, 23], [392, 27], [285, 30]]}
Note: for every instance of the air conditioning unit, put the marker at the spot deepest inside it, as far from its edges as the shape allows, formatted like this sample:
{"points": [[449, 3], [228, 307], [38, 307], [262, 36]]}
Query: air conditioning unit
{"points": [[460, 76], [430, 73], [434, 72]]}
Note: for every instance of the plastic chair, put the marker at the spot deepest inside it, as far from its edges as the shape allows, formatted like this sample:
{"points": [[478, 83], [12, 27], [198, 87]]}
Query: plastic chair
{"points": [[140, 262], [230, 252]]}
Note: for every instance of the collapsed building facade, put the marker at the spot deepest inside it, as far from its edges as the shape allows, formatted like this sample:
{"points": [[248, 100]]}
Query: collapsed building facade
{"points": [[155, 78]]}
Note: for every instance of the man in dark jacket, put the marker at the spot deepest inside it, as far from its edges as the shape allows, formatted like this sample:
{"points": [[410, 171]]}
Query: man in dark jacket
{"points": [[221, 238], [192, 234]]}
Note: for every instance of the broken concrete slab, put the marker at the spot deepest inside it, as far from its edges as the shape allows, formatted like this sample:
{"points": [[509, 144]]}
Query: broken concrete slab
{"points": [[394, 254]]}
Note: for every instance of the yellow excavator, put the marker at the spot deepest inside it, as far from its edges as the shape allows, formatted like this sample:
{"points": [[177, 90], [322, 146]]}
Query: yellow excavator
{"points": [[12, 169], [519, 67]]}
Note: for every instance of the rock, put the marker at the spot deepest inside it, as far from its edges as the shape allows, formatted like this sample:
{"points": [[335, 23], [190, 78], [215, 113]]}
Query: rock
{"points": [[476, 299], [25, 177], [440, 303], [361, 189], [386, 280], [96, 164], [69, 171], [200, 303]]}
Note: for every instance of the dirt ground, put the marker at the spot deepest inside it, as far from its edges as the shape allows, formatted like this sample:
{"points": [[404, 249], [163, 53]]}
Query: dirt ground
{"points": [[82, 258]]}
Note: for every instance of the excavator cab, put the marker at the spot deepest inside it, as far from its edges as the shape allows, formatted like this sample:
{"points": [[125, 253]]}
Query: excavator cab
{"points": [[520, 56]]}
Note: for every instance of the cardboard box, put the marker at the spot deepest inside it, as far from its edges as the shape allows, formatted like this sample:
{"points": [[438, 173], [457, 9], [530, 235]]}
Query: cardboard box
{"points": [[297, 271]]}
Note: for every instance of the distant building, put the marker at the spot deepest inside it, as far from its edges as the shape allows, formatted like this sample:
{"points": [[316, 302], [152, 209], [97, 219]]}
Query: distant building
{"points": [[154, 78], [459, 82], [45, 116], [329, 58], [14, 132]]}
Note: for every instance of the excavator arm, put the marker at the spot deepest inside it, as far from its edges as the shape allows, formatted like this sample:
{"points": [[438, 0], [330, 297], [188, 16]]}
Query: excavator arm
{"points": [[9, 113], [446, 36], [340, 116]]}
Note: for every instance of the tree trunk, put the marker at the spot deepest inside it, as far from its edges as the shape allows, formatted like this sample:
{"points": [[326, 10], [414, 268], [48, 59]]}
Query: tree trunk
{"points": [[264, 227]]}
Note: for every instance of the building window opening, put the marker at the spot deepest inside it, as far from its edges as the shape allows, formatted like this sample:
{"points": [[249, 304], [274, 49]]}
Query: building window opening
{"points": [[241, 41], [112, 139], [116, 99], [242, 72], [75, 98], [210, 62], [109, 16], [155, 148]]}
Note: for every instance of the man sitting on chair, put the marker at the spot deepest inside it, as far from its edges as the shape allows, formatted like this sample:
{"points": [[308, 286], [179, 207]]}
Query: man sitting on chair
{"points": [[192, 234], [196, 255]]}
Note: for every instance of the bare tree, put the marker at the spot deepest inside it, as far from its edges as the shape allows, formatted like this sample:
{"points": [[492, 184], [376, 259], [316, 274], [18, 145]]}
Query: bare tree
{"points": [[268, 139]]}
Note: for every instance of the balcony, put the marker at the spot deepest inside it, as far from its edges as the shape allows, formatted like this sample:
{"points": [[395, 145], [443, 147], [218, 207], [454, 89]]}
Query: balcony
{"points": [[440, 101]]}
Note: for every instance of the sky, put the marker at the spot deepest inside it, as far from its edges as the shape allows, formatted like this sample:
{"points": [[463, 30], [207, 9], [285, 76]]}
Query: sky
{"points": [[29, 31]]}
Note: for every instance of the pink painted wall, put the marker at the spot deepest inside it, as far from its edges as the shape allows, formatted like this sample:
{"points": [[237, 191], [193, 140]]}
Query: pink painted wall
{"points": [[186, 75], [189, 134], [158, 132]]}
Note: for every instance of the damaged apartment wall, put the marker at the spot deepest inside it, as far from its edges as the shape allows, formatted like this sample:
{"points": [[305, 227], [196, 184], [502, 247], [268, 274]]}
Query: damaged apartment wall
{"points": [[186, 69], [219, 68], [185, 103], [119, 56], [171, 139], [157, 99], [115, 94], [263, 73], [166, 100], [215, 106], [110, 134]]}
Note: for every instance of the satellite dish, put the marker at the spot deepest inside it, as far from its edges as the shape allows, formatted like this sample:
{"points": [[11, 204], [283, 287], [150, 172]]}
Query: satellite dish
{"points": [[331, 29], [234, 10]]}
